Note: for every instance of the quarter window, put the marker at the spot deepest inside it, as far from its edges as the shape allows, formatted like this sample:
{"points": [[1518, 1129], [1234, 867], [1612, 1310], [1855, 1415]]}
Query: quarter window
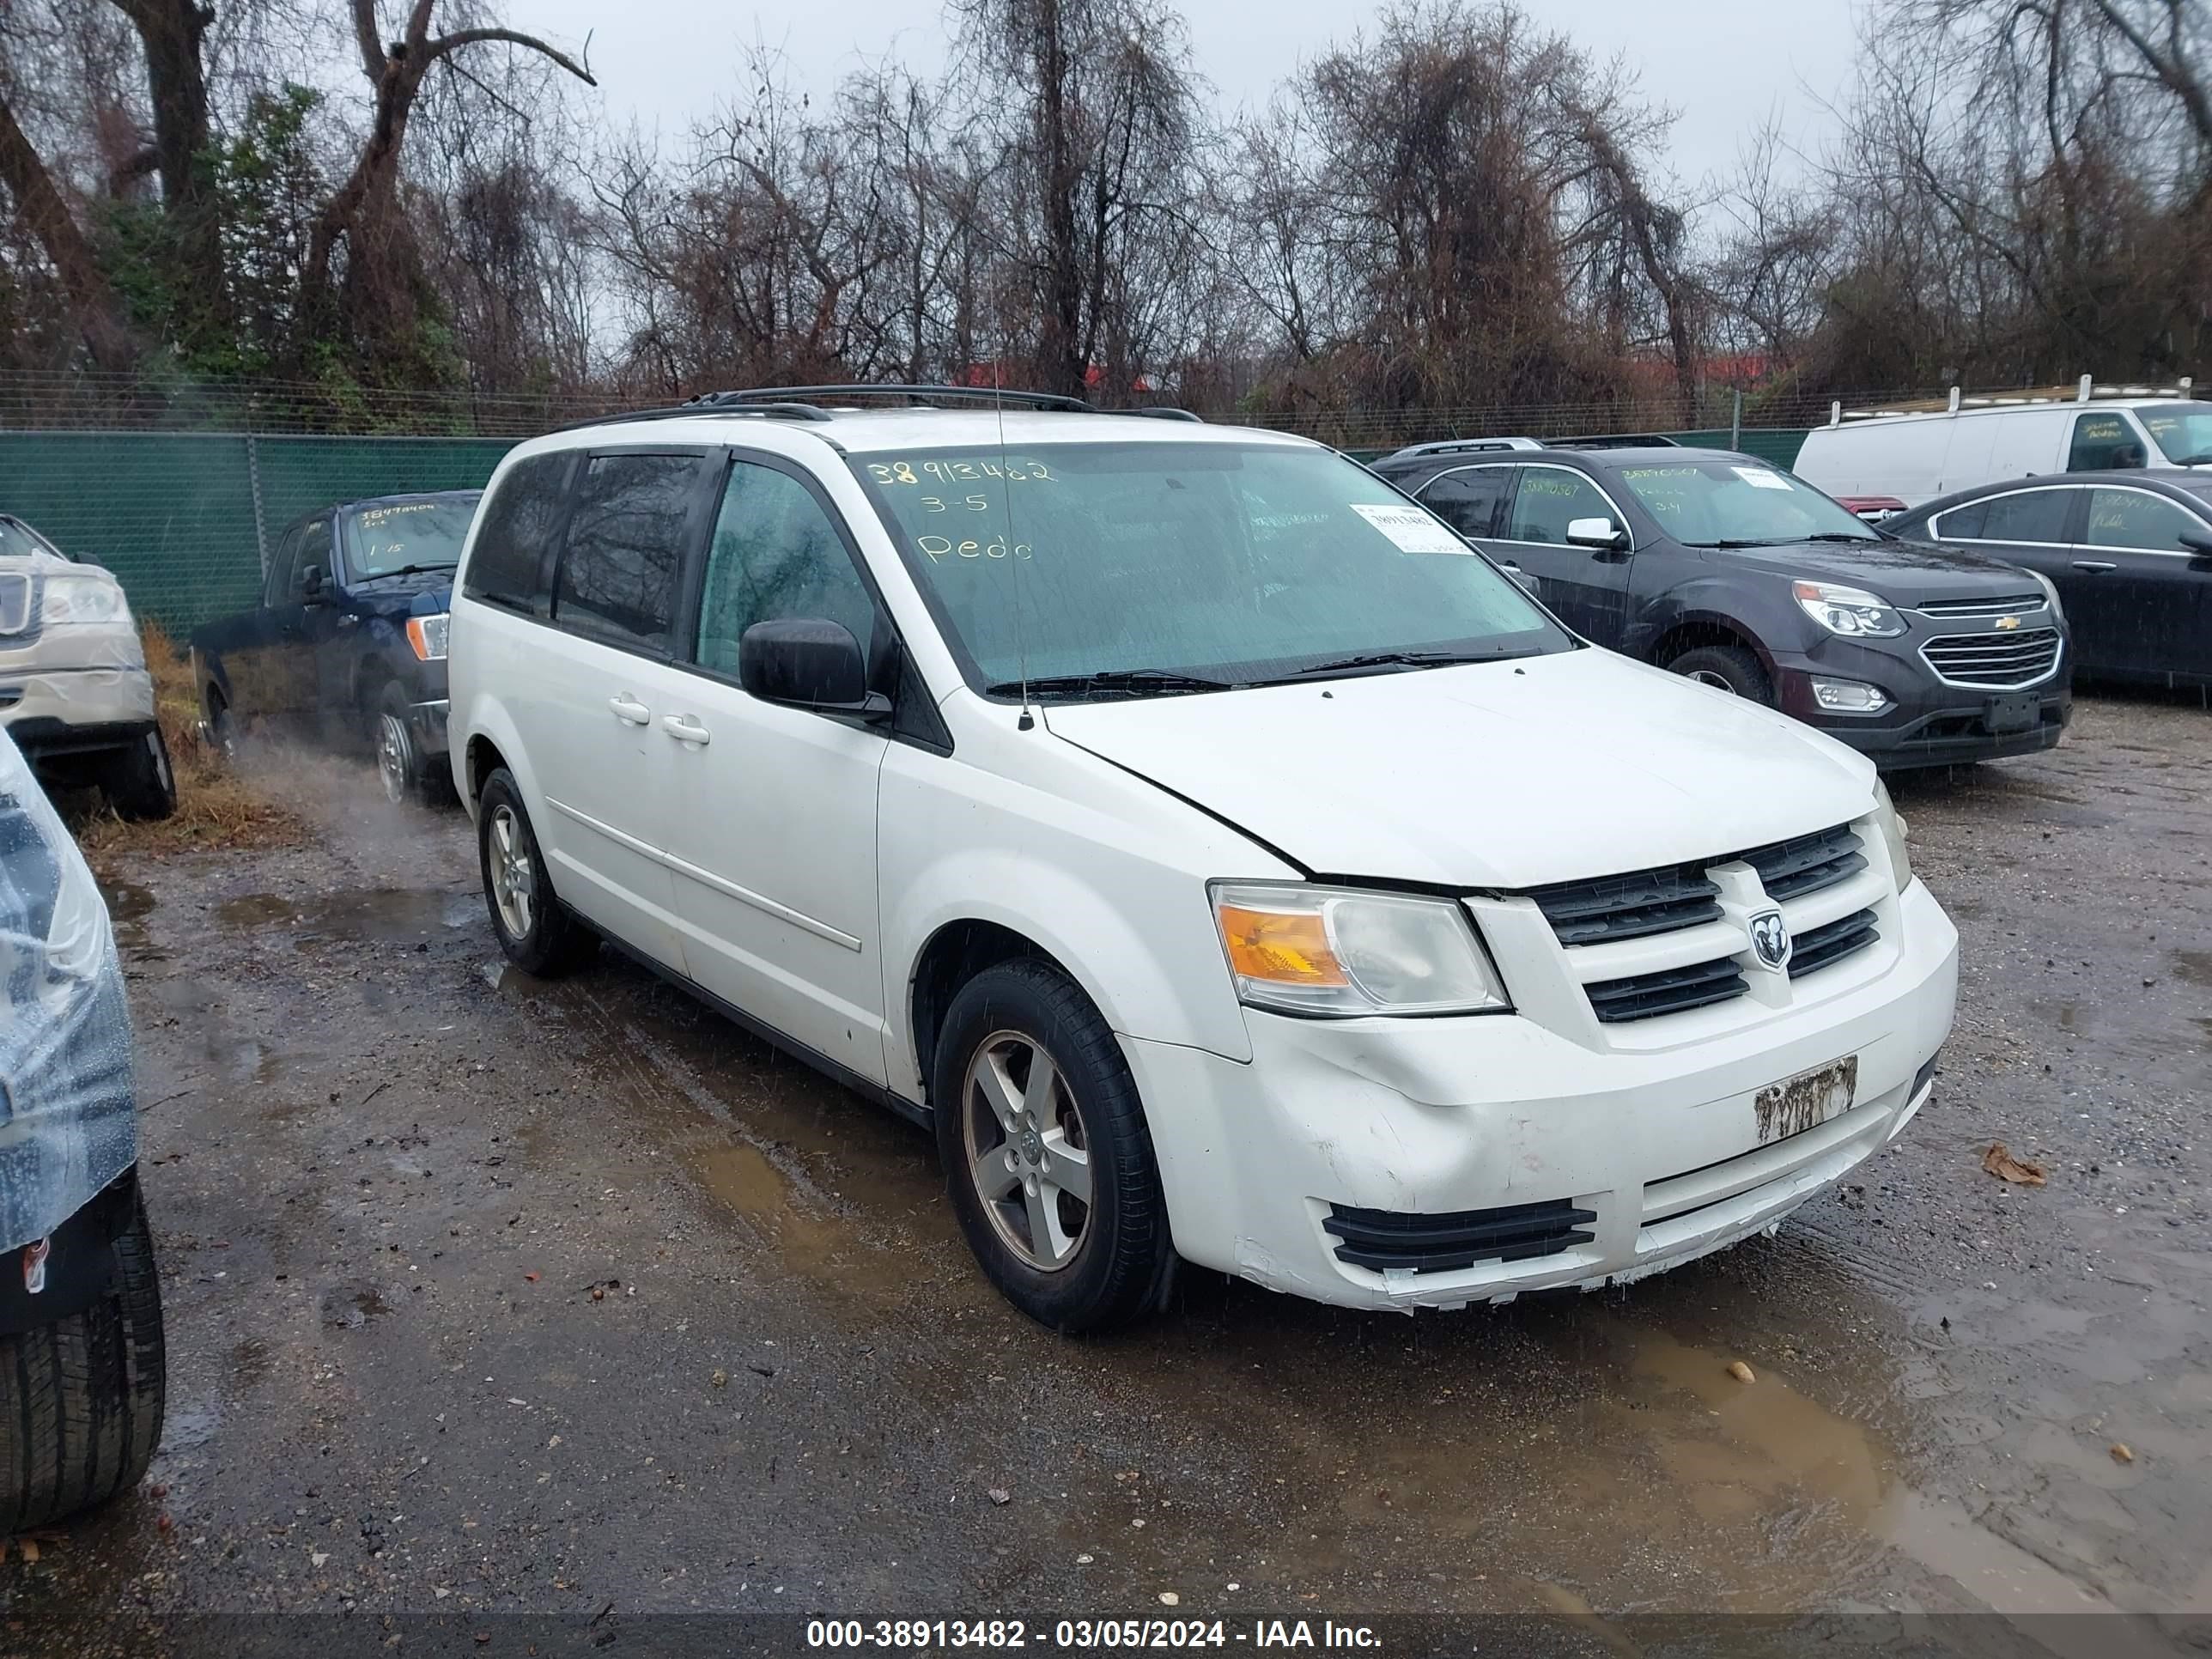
{"points": [[623, 565], [2032, 515], [1550, 499], [1468, 498], [2103, 440], [2136, 519], [776, 555], [1961, 523], [511, 563]]}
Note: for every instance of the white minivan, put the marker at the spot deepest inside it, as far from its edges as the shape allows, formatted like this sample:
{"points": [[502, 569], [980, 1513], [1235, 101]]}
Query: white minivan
{"points": [[1917, 457], [1228, 861]]}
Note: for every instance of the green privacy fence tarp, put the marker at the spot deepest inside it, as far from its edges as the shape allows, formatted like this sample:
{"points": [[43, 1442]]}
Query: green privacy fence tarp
{"points": [[182, 518]]}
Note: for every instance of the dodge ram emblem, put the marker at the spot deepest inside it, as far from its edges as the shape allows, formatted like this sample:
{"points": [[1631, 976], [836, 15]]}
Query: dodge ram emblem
{"points": [[1770, 939]]}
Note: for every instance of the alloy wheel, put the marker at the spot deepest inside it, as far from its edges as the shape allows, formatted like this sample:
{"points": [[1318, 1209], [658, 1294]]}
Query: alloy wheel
{"points": [[1027, 1151], [395, 756], [512, 876]]}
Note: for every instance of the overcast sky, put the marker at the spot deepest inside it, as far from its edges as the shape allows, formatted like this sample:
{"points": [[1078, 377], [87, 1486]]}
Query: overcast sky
{"points": [[1724, 65]]}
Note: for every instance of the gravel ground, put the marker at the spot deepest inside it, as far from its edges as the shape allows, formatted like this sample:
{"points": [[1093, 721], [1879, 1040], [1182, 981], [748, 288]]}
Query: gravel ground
{"points": [[487, 1298]]}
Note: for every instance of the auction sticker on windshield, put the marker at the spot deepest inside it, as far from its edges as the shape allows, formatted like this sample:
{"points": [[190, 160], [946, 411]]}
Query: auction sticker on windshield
{"points": [[1411, 528], [1761, 477]]}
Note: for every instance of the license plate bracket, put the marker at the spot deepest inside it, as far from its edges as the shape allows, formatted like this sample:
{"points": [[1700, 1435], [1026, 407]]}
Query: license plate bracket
{"points": [[2013, 711], [1807, 1100]]}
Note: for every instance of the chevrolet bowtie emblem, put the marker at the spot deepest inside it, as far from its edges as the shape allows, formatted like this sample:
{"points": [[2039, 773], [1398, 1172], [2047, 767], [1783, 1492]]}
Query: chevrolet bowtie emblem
{"points": [[2004, 623]]}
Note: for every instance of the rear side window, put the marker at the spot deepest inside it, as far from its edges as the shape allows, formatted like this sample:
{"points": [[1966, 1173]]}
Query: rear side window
{"points": [[511, 563], [1550, 499], [2101, 441], [776, 555], [623, 565], [1468, 498], [2033, 516], [2136, 519]]}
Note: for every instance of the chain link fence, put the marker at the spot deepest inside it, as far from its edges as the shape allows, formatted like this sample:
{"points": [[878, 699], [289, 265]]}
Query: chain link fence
{"points": [[181, 491]]}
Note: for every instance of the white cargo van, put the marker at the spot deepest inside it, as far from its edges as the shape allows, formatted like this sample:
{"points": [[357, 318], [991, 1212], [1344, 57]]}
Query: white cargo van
{"points": [[1917, 458]]}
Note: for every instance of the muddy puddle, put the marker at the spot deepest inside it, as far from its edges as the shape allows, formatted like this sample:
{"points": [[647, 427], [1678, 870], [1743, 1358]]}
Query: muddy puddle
{"points": [[385, 915]]}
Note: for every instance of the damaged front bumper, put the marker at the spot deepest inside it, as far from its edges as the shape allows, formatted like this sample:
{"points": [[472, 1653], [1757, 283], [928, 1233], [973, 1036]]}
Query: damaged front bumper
{"points": [[43, 708], [1344, 1149]]}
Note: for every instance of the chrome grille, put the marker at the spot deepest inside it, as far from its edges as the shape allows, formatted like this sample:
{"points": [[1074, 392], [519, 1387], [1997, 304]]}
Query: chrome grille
{"points": [[2007, 605], [2000, 661], [15, 604]]}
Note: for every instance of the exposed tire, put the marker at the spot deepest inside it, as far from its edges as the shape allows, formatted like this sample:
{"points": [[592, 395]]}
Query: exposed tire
{"points": [[1732, 668], [138, 783], [1016, 1146], [221, 729], [406, 773], [81, 1399], [539, 933]]}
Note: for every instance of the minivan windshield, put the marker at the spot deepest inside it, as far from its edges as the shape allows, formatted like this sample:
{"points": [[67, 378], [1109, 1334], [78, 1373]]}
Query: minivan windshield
{"points": [[1733, 503], [2184, 431], [1123, 570], [425, 534]]}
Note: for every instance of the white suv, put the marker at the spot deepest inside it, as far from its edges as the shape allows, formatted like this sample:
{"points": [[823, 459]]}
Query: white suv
{"points": [[1228, 861]]}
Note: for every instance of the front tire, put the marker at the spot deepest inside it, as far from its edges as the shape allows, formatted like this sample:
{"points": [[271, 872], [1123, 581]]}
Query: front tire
{"points": [[538, 933], [81, 1399], [1734, 669], [138, 783], [1047, 1156]]}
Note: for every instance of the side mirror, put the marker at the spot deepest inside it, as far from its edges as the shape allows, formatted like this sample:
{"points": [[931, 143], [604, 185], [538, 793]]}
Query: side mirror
{"points": [[1601, 533], [2197, 543], [811, 662], [314, 586]]}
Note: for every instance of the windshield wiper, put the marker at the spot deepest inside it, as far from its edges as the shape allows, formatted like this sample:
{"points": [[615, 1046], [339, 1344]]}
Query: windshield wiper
{"points": [[2194, 460], [1408, 658], [403, 570], [1784, 541], [1130, 682]]}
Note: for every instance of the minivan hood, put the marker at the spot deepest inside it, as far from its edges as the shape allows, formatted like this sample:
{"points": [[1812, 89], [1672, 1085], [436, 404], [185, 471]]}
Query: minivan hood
{"points": [[1905, 573], [1500, 774]]}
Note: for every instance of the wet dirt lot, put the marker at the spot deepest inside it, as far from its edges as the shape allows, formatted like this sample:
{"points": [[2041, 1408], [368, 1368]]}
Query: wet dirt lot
{"points": [[486, 1296]]}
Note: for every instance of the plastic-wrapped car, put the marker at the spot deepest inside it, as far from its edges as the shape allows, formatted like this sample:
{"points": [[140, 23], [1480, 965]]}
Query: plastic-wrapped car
{"points": [[82, 1360]]}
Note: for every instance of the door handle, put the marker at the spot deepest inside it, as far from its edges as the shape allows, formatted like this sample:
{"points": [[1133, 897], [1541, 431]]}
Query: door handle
{"points": [[2096, 567], [629, 710], [685, 729]]}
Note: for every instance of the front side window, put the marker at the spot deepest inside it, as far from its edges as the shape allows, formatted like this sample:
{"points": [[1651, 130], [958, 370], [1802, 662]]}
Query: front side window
{"points": [[2182, 431], [776, 555], [2103, 440], [512, 564], [392, 536], [2029, 515], [1216, 561], [1727, 503], [623, 564], [312, 556], [1468, 497], [1550, 499], [2136, 519], [18, 541]]}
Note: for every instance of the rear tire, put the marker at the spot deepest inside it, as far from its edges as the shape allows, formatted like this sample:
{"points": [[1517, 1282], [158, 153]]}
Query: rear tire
{"points": [[1016, 1148], [138, 783], [539, 935], [1734, 669], [81, 1399]]}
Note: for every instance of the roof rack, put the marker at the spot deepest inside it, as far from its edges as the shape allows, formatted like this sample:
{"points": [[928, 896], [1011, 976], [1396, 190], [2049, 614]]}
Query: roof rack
{"points": [[1455, 446], [701, 406], [782, 403], [2084, 391], [1616, 441]]}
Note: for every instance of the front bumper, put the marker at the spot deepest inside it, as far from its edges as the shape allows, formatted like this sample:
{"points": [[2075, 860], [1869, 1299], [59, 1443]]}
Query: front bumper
{"points": [[1926, 722], [41, 707], [1658, 1142], [426, 723]]}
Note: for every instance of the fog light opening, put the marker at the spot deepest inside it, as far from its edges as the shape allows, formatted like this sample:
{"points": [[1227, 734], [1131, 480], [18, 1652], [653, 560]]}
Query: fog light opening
{"points": [[1848, 697]]}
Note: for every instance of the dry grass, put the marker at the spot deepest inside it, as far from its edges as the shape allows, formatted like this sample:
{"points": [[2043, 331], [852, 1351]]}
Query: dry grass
{"points": [[217, 806]]}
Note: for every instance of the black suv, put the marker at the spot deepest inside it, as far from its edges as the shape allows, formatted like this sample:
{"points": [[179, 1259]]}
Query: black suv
{"points": [[348, 639], [1717, 566]]}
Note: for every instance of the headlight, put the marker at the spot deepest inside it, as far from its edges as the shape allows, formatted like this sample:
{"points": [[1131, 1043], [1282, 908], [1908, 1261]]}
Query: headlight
{"points": [[72, 599], [1343, 951], [1893, 833], [1849, 611], [429, 634]]}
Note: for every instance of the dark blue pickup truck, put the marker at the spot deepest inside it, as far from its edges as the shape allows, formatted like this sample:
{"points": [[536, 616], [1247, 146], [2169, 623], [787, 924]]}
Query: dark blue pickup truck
{"points": [[348, 644]]}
